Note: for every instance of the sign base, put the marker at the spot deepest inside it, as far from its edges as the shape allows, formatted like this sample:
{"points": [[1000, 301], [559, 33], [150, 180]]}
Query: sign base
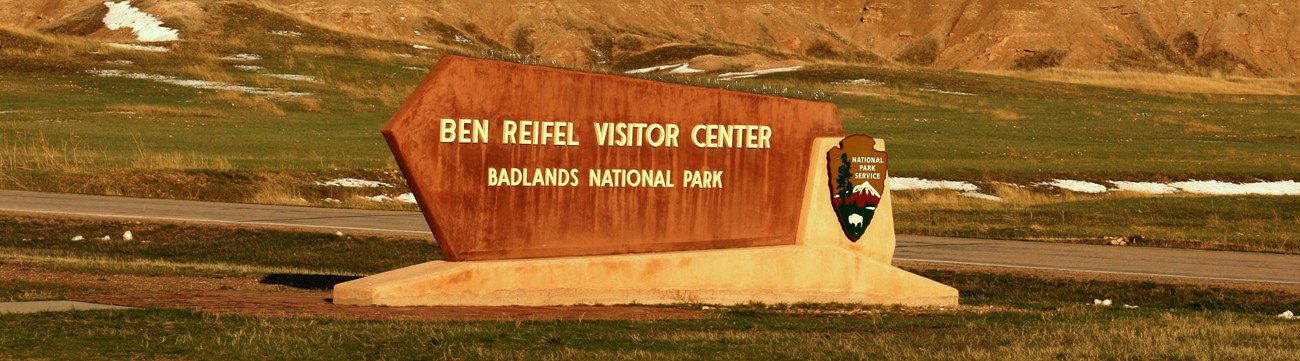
{"points": [[822, 266]]}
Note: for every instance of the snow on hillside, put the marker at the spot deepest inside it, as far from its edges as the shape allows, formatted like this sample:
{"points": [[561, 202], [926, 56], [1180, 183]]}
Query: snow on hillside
{"points": [[653, 69], [1282, 188], [685, 69], [756, 73], [904, 183], [1207, 187], [408, 198], [1144, 187], [355, 183], [295, 77], [1076, 186], [156, 49], [144, 26], [242, 57], [191, 83]]}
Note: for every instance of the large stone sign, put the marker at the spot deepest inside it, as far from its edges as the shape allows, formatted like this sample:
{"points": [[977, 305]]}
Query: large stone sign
{"points": [[517, 161], [551, 187]]}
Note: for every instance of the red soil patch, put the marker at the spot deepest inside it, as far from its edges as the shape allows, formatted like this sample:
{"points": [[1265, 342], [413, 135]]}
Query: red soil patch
{"points": [[318, 305]]}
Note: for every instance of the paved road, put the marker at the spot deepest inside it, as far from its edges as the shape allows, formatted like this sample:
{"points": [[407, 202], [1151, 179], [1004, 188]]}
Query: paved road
{"points": [[1212, 265]]}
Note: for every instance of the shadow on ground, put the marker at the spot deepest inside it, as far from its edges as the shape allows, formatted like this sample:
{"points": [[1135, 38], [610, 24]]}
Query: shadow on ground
{"points": [[306, 282]]}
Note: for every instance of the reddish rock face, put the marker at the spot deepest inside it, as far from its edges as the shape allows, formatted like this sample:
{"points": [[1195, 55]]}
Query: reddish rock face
{"points": [[516, 161]]}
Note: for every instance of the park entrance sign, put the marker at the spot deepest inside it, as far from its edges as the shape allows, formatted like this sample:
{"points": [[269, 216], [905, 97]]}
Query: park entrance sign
{"points": [[547, 186], [515, 161]]}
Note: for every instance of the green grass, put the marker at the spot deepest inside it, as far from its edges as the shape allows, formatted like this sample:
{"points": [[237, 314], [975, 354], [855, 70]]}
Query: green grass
{"points": [[1005, 315], [1008, 317], [984, 288], [22, 291], [1267, 224], [999, 335], [31, 238], [1049, 130]]}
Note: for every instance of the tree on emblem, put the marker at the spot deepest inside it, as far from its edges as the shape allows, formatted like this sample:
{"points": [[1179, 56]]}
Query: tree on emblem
{"points": [[842, 184]]}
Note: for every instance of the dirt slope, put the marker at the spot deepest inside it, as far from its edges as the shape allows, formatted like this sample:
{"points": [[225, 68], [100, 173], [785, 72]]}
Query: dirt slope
{"points": [[1254, 37]]}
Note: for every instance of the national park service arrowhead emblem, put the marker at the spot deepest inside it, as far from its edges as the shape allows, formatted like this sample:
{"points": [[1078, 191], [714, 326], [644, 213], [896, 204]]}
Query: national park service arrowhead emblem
{"points": [[857, 172]]}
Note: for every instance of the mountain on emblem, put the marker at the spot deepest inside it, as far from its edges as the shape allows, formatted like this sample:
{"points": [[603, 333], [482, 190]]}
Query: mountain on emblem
{"points": [[857, 173]]}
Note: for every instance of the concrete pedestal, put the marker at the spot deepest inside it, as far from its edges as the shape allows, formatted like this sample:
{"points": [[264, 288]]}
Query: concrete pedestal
{"points": [[822, 266]]}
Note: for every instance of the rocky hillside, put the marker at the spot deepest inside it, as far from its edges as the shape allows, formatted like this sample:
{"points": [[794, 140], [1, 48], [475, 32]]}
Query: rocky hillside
{"points": [[1246, 37]]}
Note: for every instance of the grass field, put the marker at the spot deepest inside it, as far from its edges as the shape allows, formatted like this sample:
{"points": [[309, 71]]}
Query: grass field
{"points": [[1005, 316], [967, 334], [65, 129], [1244, 223]]}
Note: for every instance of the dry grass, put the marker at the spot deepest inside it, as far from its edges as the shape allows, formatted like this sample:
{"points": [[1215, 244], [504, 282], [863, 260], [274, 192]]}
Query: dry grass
{"points": [[378, 56], [18, 39], [1011, 195], [161, 110], [279, 193], [1173, 83], [149, 266], [179, 161], [38, 152], [209, 72], [384, 93], [1005, 114], [247, 101], [318, 50], [309, 104], [1191, 125]]}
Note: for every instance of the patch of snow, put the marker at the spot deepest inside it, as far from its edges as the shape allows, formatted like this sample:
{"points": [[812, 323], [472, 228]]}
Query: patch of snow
{"points": [[403, 55], [243, 57], [354, 183], [421, 47], [685, 69], [653, 69], [861, 82], [144, 26], [1076, 186], [331, 200], [106, 238], [414, 68], [1130, 306], [738, 77], [404, 198], [462, 39], [10, 111], [978, 195], [1107, 302], [78, 239], [1208, 187], [751, 74], [295, 77], [156, 49], [248, 67], [1288, 315], [1282, 188], [127, 236], [288, 33], [904, 183], [941, 91], [119, 62], [191, 83], [1144, 187]]}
